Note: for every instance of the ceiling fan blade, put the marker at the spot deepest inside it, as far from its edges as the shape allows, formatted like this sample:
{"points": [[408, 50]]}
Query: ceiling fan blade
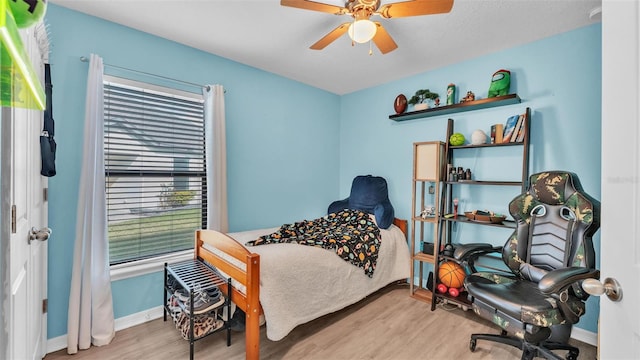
{"points": [[383, 40], [415, 8], [315, 6], [331, 37]]}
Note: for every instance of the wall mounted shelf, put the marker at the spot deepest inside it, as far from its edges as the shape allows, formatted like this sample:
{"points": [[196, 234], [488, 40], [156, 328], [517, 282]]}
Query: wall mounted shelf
{"points": [[19, 83], [461, 107]]}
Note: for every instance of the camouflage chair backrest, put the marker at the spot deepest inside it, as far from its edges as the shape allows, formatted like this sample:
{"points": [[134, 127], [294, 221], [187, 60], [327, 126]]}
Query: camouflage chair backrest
{"points": [[555, 222]]}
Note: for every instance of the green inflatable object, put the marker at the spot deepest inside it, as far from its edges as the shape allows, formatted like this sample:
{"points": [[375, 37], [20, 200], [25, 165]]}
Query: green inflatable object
{"points": [[456, 139], [27, 12], [500, 83]]}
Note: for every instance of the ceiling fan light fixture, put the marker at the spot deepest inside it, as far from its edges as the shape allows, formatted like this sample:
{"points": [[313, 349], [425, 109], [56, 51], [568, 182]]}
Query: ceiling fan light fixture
{"points": [[362, 31]]}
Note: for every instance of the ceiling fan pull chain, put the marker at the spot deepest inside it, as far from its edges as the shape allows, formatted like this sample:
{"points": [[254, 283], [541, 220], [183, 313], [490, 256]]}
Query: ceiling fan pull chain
{"points": [[370, 51], [353, 42]]}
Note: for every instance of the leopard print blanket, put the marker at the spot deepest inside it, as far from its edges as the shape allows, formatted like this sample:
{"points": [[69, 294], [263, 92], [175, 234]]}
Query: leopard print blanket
{"points": [[203, 324], [350, 233]]}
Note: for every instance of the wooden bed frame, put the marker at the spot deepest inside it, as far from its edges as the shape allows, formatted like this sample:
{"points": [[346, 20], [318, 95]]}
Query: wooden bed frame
{"points": [[249, 277]]}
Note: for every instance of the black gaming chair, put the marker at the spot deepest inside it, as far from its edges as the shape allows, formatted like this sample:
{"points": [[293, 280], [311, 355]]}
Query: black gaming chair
{"points": [[549, 255]]}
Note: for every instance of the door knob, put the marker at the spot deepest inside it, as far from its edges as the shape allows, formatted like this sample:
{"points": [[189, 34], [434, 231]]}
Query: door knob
{"points": [[41, 235], [610, 287]]}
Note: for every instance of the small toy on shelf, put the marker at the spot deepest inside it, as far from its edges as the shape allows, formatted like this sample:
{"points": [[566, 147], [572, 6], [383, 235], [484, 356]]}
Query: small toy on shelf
{"points": [[478, 137], [456, 139], [400, 104], [442, 288], [428, 211], [455, 292], [469, 97], [455, 208], [500, 83]]}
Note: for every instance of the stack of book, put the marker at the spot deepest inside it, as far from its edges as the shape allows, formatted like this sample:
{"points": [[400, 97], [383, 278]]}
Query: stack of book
{"points": [[512, 131]]}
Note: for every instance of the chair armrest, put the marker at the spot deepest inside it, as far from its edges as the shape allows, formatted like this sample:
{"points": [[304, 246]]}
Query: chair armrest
{"points": [[556, 280], [556, 284], [463, 252]]}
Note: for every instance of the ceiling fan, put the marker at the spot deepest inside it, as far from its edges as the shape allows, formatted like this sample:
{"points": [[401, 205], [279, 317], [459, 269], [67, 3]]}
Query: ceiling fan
{"points": [[361, 29]]}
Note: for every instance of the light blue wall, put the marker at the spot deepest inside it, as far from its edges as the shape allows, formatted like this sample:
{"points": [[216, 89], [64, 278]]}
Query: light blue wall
{"points": [[285, 138], [281, 142], [558, 78]]}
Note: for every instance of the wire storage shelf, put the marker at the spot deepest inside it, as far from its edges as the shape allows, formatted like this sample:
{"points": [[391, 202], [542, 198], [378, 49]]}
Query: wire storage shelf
{"points": [[195, 276]]}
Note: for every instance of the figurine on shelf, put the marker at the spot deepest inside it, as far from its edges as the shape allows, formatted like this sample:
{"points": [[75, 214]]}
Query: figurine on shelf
{"points": [[455, 208], [428, 211], [436, 102], [478, 137], [469, 97], [500, 83]]}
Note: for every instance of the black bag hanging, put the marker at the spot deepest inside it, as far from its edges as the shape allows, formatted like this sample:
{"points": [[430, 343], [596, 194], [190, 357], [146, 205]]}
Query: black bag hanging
{"points": [[47, 142]]}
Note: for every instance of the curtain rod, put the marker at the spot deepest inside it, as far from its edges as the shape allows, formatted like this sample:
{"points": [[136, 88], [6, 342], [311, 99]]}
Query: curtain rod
{"points": [[85, 59]]}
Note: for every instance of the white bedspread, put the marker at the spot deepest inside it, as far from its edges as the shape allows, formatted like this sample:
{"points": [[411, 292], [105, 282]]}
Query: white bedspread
{"points": [[300, 283]]}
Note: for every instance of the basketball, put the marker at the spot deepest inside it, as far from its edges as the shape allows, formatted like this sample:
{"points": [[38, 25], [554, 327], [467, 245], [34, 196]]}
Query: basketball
{"points": [[27, 12], [451, 274]]}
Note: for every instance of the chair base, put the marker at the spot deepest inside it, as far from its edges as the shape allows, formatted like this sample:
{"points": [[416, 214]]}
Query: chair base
{"points": [[529, 350]]}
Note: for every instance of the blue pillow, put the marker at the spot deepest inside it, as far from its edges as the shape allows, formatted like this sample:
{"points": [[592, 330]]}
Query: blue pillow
{"points": [[384, 214], [338, 205], [369, 194]]}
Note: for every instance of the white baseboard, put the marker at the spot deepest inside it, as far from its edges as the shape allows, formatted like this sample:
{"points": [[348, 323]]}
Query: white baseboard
{"points": [[585, 336], [57, 343], [60, 342], [139, 318]]}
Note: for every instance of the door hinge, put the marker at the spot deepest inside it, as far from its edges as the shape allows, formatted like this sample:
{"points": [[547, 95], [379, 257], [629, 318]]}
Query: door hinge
{"points": [[45, 305], [13, 219], [45, 194]]}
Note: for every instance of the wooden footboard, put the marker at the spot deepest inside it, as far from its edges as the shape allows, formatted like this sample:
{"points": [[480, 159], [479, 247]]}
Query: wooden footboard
{"points": [[245, 271], [402, 225]]}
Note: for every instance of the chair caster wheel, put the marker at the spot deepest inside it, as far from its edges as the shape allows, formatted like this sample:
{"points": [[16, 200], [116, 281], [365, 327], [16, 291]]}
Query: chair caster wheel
{"points": [[472, 345], [571, 356]]}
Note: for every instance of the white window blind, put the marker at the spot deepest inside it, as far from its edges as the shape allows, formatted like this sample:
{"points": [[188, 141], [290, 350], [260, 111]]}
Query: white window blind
{"points": [[155, 169]]}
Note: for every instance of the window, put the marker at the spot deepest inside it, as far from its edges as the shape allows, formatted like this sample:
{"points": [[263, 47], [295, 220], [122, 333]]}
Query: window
{"points": [[154, 168]]}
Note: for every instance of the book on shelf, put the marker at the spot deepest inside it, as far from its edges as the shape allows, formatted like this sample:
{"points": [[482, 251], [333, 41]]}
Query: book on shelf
{"points": [[517, 128], [496, 133], [509, 128], [523, 129]]}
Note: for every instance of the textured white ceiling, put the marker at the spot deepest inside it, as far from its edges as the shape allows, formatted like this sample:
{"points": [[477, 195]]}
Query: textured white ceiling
{"points": [[268, 36]]}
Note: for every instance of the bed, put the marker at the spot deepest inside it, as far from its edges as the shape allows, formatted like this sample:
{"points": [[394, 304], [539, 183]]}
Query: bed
{"points": [[292, 284]]}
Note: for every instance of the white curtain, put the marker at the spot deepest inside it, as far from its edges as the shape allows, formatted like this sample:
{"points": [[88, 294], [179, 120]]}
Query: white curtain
{"points": [[91, 318], [216, 154]]}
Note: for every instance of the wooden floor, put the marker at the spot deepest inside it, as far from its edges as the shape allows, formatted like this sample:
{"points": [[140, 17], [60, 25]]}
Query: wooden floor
{"points": [[387, 325]]}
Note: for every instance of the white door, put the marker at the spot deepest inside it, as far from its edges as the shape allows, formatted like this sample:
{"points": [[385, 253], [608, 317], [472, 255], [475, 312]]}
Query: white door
{"points": [[28, 260], [620, 237]]}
